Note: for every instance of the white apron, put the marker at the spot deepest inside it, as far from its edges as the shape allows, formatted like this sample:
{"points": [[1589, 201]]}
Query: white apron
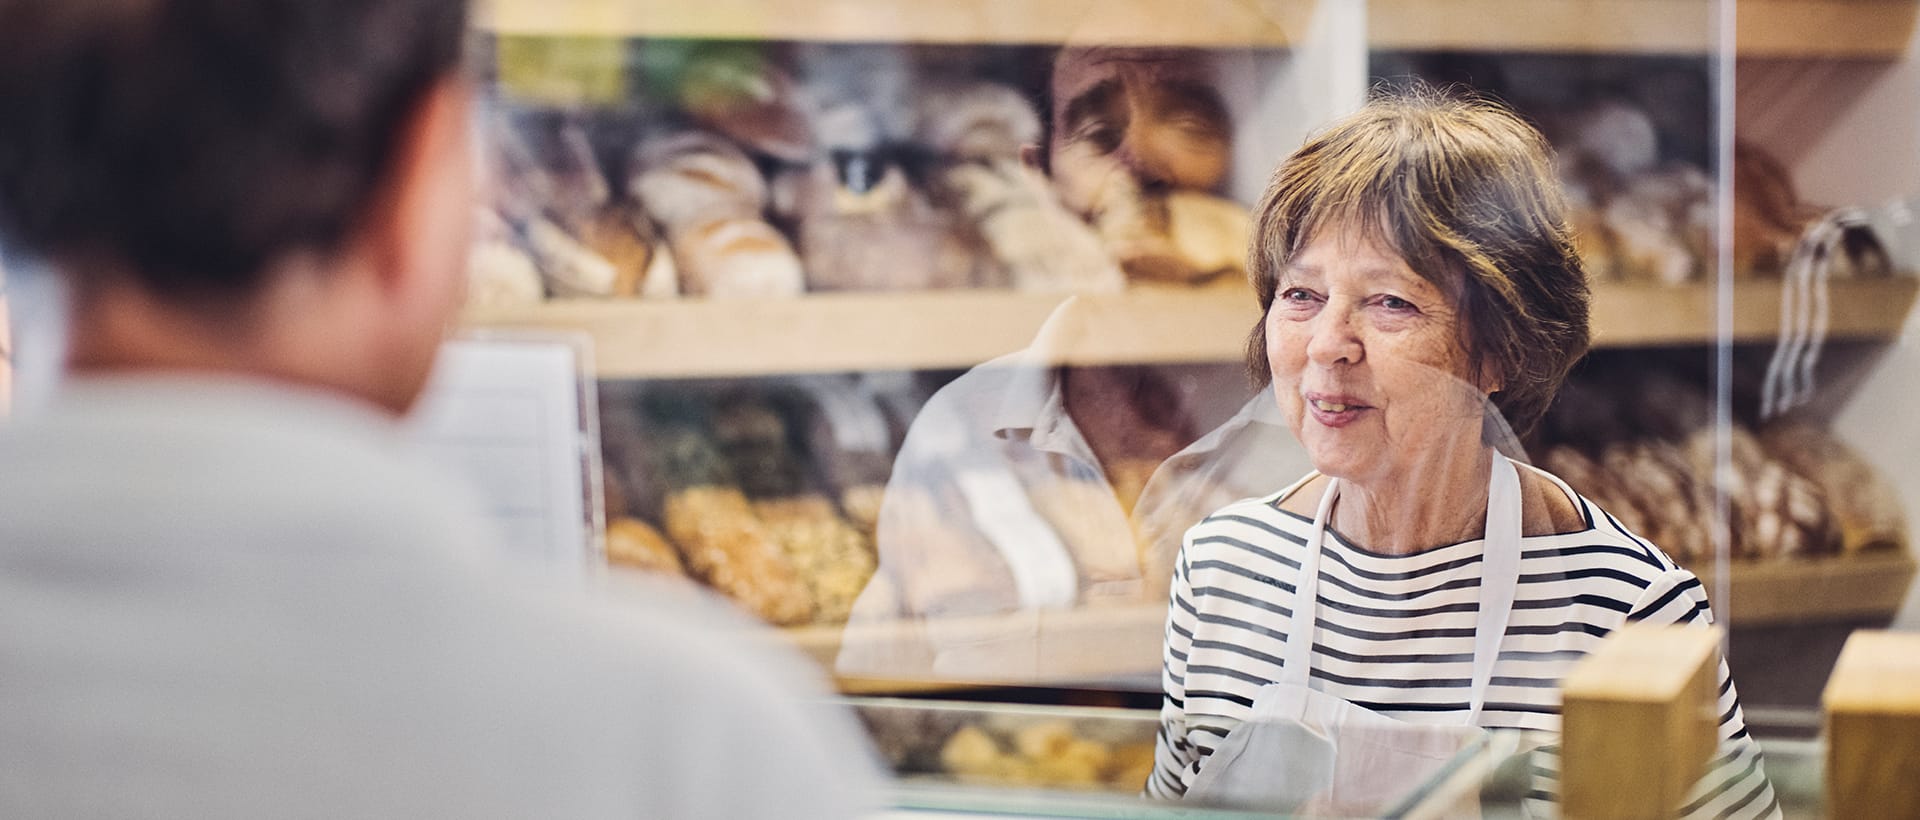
{"points": [[1309, 752]]}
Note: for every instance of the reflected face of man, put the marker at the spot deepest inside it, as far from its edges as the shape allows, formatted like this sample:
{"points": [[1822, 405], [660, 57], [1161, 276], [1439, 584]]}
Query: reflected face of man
{"points": [[1130, 122]]}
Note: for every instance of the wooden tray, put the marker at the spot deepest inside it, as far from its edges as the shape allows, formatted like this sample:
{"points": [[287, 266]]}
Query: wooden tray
{"points": [[1842, 588]]}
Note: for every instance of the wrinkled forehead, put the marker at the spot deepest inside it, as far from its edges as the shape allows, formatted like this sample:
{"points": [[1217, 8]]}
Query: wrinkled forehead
{"points": [[1355, 228], [1080, 68]]}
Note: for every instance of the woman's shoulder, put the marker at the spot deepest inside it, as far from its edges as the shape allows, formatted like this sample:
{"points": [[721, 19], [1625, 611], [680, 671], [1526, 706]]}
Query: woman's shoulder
{"points": [[1582, 528], [1258, 519]]}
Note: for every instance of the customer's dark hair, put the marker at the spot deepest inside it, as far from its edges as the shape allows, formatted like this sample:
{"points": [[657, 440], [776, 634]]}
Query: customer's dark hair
{"points": [[1465, 192], [191, 144]]}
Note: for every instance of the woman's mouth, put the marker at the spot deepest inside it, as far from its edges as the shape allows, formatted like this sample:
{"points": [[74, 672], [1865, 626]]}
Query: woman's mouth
{"points": [[1334, 411]]}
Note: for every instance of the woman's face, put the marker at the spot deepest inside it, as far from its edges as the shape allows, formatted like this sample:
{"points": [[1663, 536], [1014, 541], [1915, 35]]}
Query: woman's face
{"points": [[1368, 362]]}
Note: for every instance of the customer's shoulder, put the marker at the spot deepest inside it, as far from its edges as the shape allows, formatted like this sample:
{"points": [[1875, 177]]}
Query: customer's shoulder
{"points": [[663, 631]]}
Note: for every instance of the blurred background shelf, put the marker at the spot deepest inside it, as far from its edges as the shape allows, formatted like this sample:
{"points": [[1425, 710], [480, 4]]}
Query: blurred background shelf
{"points": [[959, 329], [888, 331], [1229, 23], [1651, 315], [1095, 646], [1856, 29], [1846, 29], [1835, 588], [1122, 643]]}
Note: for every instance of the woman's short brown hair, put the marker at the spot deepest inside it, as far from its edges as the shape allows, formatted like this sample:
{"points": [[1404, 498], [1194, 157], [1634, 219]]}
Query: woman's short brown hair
{"points": [[1465, 192]]}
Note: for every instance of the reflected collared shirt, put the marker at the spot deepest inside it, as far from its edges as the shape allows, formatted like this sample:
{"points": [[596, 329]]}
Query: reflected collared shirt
{"points": [[998, 513]]}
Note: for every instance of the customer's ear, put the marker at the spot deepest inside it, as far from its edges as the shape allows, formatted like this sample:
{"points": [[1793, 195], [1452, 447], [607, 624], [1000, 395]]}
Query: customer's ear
{"points": [[420, 225], [415, 240]]}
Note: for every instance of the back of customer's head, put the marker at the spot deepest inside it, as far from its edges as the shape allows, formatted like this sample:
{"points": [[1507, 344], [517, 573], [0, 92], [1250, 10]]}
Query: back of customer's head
{"points": [[252, 170]]}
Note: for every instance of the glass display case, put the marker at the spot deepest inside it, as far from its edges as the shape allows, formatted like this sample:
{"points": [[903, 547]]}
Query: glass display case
{"points": [[921, 326], [999, 759], [849, 271], [988, 759], [790, 231]]}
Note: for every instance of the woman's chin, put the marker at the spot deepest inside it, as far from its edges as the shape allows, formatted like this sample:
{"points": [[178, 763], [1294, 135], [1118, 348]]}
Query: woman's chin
{"points": [[1346, 466]]}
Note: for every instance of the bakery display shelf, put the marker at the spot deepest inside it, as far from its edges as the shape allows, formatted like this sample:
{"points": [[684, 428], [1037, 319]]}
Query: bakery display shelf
{"points": [[1080, 646], [891, 331], [1870, 584], [958, 329], [1655, 315], [1840, 29], [1068, 647], [1215, 23]]}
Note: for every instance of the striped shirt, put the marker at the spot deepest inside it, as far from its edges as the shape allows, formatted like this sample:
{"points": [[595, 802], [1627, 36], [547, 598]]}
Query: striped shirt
{"points": [[1396, 634]]}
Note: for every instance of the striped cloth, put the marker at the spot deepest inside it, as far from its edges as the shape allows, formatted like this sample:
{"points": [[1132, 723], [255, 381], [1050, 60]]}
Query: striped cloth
{"points": [[1397, 631]]}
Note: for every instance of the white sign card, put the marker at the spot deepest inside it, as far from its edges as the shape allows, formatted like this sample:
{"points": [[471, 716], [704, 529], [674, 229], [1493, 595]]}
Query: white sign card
{"points": [[516, 416]]}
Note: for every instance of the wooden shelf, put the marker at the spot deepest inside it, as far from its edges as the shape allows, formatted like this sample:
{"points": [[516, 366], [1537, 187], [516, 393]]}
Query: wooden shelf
{"points": [[1113, 644], [1650, 315], [1847, 29], [960, 329], [1094, 647], [1870, 584], [1841, 29], [1205, 23], [903, 331]]}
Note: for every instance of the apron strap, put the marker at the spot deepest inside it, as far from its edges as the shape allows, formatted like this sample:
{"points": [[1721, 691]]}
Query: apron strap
{"points": [[1296, 661], [1500, 575], [1499, 578]]}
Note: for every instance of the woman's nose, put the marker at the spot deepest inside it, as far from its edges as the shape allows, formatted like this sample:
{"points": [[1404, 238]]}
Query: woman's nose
{"points": [[1333, 339]]}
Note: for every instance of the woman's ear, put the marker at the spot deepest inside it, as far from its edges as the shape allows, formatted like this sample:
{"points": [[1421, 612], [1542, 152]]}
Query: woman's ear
{"points": [[1487, 378]]}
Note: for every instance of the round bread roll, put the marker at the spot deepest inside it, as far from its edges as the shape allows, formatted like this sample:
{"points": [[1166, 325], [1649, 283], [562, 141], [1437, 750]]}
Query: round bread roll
{"points": [[635, 543], [1865, 509]]}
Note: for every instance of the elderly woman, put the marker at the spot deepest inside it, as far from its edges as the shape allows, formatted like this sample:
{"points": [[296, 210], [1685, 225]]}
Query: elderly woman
{"points": [[1328, 643]]}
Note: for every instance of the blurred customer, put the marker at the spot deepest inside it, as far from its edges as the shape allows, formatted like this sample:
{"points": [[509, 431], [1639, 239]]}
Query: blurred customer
{"points": [[6, 347], [222, 592]]}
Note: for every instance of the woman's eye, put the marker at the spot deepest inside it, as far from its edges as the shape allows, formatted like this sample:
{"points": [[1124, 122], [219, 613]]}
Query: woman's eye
{"points": [[1296, 295], [1395, 303]]}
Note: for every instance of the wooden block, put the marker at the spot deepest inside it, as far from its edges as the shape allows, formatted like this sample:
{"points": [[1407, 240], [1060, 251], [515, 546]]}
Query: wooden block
{"points": [[1638, 721], [1873, 727]]}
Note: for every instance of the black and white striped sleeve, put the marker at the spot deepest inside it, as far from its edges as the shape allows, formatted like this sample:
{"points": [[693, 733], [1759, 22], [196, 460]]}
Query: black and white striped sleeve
{"points": [[1735, 785], [1173, 755]]}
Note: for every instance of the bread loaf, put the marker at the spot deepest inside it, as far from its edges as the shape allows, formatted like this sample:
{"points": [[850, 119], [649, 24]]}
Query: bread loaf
{"points": [[623, 236], [832, 557], [635, 543], [1041, 245], [499, 273], [709, 198], [569, 268], [1865, 508], [976, 132], [727, 547], [720, 537]]}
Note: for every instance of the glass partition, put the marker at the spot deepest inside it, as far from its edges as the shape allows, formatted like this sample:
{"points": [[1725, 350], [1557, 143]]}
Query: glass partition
{"points": [[923, 334], [1823, 190], [920, 331]]}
